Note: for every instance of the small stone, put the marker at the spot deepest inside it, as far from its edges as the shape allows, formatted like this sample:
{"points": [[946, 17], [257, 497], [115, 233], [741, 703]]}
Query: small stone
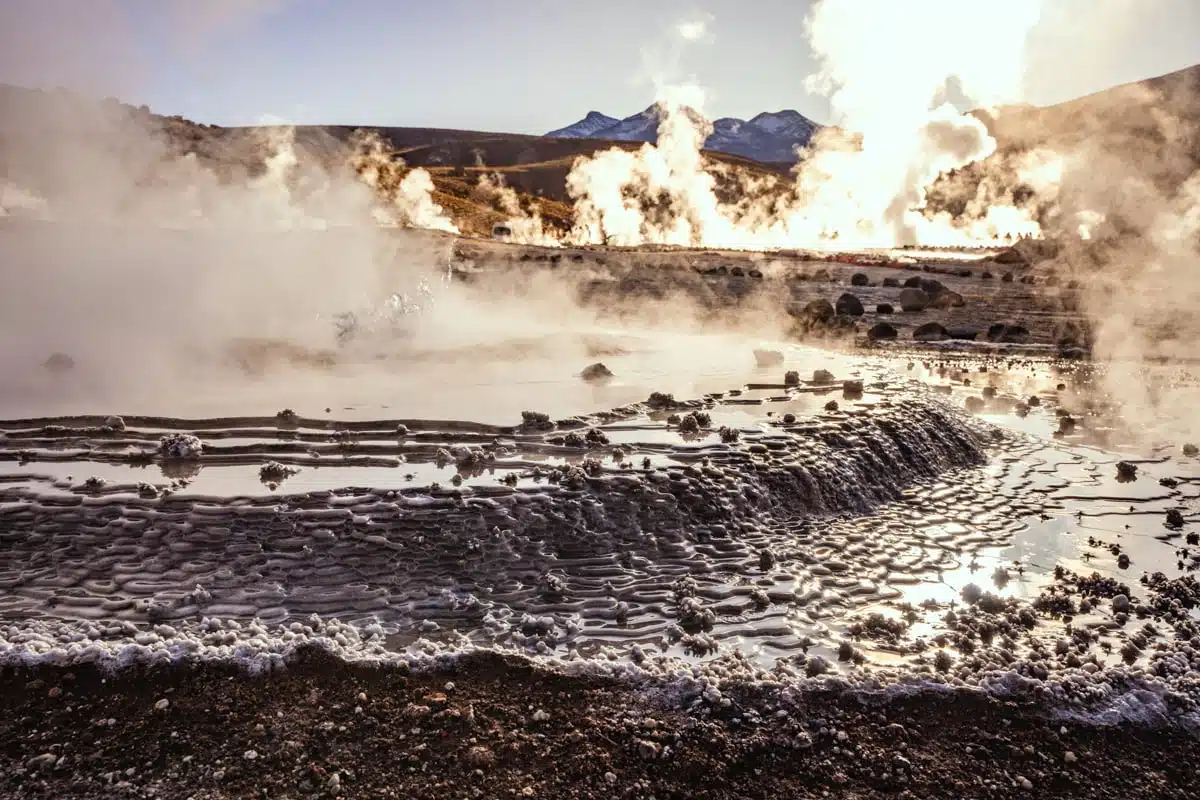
{"points": [[1024, 783], [162, 705], [1120, 603], [541, 716], [1070, 757], [250, 755], [610, 778]]}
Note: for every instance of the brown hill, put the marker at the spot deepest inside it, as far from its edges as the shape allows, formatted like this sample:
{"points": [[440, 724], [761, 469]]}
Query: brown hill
{"points": [[38, 127]]}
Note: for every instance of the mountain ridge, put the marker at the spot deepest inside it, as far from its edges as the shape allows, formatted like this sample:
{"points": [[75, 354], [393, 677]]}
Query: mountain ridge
{"points": [[768, 137]]}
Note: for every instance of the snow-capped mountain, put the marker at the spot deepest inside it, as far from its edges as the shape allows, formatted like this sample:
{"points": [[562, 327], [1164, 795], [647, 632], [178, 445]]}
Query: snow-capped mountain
{"points": [[766, 137], [586, 127]]}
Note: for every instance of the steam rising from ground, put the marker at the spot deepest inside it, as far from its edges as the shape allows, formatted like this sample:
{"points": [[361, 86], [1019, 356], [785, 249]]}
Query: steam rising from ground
{"points": [[895, 75]]}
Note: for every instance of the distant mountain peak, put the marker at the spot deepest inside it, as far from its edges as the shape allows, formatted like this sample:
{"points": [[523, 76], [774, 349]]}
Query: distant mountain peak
{"points": [[772, 136]]}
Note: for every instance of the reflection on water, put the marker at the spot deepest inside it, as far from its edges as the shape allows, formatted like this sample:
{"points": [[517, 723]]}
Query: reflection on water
{"points": [[434, 529]]}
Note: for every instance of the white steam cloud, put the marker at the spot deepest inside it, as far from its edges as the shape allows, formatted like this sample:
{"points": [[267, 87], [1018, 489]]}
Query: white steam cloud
{"points": [[892, 73]]}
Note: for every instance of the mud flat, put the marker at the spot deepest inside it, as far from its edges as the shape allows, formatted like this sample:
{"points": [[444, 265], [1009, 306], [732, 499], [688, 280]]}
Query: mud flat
{"points": [[749, 560]]}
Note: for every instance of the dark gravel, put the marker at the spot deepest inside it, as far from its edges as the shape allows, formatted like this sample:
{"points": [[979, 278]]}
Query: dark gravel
{"points": [[495, 727]]}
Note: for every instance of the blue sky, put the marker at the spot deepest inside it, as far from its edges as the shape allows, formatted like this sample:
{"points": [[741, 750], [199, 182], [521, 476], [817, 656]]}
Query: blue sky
{"points": [[520, 65]]}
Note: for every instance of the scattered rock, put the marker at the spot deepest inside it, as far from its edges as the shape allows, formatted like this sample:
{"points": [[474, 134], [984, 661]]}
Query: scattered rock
{"points": [[882, 332], [59, 362], [859, 279], [891, 283], [823, 376], [913, 301], [930, 332], [885, 308], [849, 305], [1126, 472], [596, 372]]}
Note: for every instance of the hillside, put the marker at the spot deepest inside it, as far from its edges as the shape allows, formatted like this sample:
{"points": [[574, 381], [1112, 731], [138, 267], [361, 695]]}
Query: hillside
{"points": [[38, 129], [1138, 134]]}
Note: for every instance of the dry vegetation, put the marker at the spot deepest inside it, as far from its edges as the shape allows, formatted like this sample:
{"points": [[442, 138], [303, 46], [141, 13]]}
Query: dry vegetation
{"points": [[38, 127]]}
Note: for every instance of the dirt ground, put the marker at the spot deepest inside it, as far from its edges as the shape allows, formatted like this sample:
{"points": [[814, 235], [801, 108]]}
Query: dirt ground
{"points": [[491, 727]]}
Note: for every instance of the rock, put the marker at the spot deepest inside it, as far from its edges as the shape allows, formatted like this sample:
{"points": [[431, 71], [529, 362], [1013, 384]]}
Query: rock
{"points": [[849, 305], [882, 332], [59, 362], [1007, 277], [114, 423], [162, 705], [930, 332], [596, 372], [859, 279], [913, 283], [737, 272], [832, 405], [1191, 450], [791, 378], [1070, 757], [913, 300], [768, 358], [45, 761], [974, 404], [823, 376], [948, 299], [852, 389], [1126, 472], [932, 286], [647, 750], [1175, 518], [986, 276], [1120, 603], [885, 308], [891, 283], [1007, 333], [819, 311]]}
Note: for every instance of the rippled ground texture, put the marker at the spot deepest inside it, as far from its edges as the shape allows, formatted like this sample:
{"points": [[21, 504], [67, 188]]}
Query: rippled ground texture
{"points": [[808, 523]]}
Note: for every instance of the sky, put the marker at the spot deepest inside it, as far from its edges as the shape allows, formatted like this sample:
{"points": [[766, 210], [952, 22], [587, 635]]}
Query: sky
{"points": [[522, 66]]}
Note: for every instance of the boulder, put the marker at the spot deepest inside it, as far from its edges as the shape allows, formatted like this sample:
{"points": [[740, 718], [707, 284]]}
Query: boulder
{"points": [[1007, 333], [849, 305], [823, 376], [891, 283], [931, 332], [885, 308], [859, 279], [596, 372], [913, 283], [882, 332], [1006, 277], [963, 333], [819, 311], [913, 300], [948, 299]]}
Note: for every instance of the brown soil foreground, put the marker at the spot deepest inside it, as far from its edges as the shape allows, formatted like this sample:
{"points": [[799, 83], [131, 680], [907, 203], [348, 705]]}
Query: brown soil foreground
{"points": [[491, 727]]}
